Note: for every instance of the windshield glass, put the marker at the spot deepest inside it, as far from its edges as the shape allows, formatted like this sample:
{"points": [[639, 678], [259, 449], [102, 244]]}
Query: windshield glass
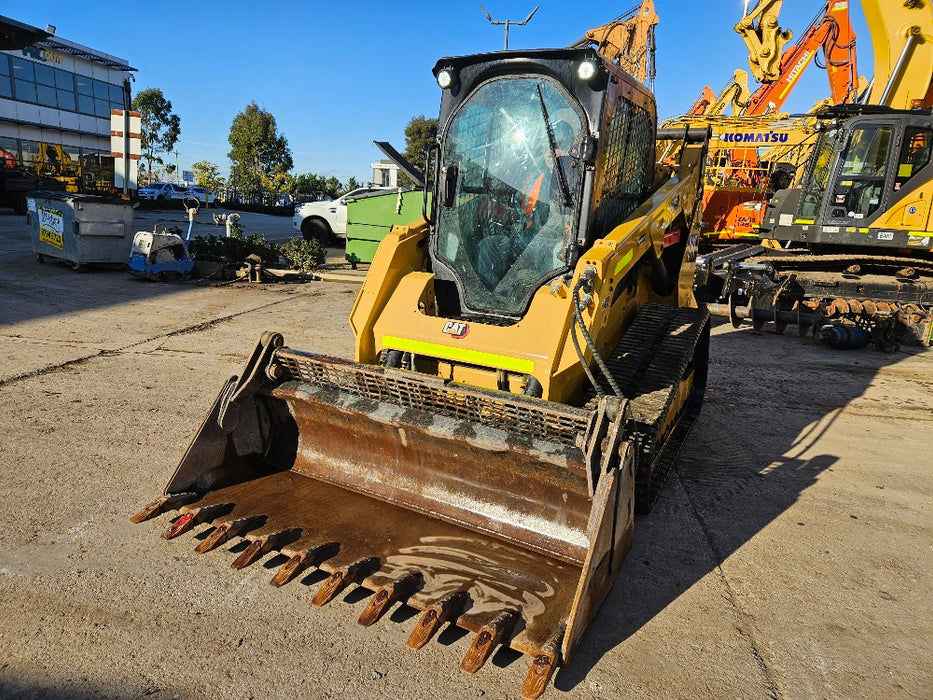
{"points": [[509, 226], [819, 177]]}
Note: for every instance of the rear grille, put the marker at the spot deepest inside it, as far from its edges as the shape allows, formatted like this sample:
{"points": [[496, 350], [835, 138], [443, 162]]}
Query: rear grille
{"points": [[519, 415]]}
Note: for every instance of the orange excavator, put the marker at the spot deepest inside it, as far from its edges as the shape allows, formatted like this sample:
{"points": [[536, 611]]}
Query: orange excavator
{"points": [[739, 180], [830, 31]]}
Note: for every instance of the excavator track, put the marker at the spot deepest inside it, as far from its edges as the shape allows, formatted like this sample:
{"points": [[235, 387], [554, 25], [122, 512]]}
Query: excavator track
{"points": [[655, 366]]}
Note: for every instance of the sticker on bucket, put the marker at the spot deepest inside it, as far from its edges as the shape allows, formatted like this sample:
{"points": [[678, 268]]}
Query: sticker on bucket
{"points": [[51, 227]]}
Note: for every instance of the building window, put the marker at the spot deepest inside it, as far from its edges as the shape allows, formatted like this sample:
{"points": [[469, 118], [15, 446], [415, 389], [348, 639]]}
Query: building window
{"points": [[45, 75], [45, 86], [78, 169], [6, 86], [39, 83], [24, 80], [9, 152], [116, 96]]}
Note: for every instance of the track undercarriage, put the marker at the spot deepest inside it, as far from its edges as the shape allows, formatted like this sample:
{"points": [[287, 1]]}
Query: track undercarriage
{"points": [[888, 297]]}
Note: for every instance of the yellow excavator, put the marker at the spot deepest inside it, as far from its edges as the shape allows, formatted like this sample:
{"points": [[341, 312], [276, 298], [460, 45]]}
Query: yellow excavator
{"points": [[529, 359], [850, 254]]}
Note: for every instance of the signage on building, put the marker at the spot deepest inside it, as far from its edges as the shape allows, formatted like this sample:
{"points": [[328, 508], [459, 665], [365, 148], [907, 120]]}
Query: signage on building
{"points": [[42, 54]]}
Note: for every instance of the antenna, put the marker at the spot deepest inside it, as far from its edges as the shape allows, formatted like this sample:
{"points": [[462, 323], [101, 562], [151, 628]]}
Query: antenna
{"points": [[509, 23]]}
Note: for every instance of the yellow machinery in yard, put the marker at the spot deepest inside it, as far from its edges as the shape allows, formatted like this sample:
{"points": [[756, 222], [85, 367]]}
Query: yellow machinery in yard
{"points": [[529, 359], [851, 244], [749, 158], [757, 151]]}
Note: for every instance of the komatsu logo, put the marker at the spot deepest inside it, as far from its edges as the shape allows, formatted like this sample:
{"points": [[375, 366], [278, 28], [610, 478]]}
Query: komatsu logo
{"points": [[754, 137], [456, 329]]}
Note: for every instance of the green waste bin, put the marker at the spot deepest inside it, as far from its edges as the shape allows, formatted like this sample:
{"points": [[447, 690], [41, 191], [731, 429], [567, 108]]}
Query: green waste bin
{"points": [[371, 216]]}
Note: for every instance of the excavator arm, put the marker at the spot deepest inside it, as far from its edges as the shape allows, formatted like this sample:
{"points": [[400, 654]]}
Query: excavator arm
{"points": [[735, 93], [832, 31], [765, 39], [628, 41]]}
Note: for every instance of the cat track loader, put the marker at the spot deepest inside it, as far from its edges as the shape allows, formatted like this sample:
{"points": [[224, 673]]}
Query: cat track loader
{"points": [[528, 361]]}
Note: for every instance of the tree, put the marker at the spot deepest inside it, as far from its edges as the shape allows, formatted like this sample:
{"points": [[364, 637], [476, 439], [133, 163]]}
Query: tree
{"points": [[333, 186], [258, 151], [314, 184], [159, 126], [352, 184], [420, 134], [207, 175]]}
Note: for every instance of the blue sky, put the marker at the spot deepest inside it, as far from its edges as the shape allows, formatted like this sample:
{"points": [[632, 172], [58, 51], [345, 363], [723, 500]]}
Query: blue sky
{"points": [[336, 77]]}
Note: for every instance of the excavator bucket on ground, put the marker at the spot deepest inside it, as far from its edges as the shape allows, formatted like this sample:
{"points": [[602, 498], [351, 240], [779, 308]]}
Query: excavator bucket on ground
{"points": [[527, 366]]}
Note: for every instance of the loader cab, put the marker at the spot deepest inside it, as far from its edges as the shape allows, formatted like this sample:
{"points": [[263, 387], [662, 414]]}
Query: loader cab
{"points": [[514, 175], [862, 169]]}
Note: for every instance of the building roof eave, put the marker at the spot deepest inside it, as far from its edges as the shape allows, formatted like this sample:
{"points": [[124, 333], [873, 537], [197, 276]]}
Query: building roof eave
{"points": [[16, 35]]}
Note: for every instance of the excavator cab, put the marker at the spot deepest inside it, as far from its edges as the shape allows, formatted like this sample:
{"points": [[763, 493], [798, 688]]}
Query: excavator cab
{"points": [[868, 183], [516, 173], [512, 192]]}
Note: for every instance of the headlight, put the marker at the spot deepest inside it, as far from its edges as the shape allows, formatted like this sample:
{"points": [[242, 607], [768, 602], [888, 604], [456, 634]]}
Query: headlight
{"points": [[586, 70], [445, 78]]}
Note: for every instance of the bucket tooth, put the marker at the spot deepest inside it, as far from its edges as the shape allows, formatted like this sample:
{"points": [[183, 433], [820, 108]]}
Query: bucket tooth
{"points": [[388, 595], [171, 501], [304, 560], [226, 531], [543, 667], [342, 578], [489, 637], [188, 520], [261, 546], [434, 617]]}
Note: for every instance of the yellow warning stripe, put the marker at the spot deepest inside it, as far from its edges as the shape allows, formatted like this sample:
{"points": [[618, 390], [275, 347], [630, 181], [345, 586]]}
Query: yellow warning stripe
{"points": [[471, 357]]}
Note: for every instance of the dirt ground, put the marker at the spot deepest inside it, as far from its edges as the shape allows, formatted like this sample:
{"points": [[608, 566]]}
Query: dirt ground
{"points": [[790, 554]]}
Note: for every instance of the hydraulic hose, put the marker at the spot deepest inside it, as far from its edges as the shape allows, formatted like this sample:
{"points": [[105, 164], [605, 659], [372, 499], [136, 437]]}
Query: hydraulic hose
{"points": [[581, 302]]}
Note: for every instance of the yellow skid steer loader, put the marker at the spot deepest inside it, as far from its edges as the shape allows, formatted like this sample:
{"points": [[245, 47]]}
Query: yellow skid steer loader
{"points": [[529, 359]]}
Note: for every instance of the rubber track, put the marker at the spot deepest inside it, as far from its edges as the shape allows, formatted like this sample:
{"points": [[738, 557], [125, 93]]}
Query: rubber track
{"points": [[647, 364]]}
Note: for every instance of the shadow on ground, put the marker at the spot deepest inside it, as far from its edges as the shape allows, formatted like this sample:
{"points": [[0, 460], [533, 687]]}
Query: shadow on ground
{"points": [[730, 482]]}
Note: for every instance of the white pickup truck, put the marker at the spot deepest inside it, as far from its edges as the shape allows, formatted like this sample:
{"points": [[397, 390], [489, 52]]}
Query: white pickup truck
{"points": [[325, 221]]}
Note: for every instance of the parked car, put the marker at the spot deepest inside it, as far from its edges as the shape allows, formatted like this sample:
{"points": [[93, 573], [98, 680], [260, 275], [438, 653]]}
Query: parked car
{"points": [[161, 191], [16, 182], [325, 221], [202, 194]]}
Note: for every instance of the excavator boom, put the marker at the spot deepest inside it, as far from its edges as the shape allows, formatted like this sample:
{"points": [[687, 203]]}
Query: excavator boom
{"points": [[628, 41], [902, 36]]}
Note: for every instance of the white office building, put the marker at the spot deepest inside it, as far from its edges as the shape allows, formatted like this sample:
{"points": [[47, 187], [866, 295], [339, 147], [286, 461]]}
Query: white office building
{"points": [[55, 102]]}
